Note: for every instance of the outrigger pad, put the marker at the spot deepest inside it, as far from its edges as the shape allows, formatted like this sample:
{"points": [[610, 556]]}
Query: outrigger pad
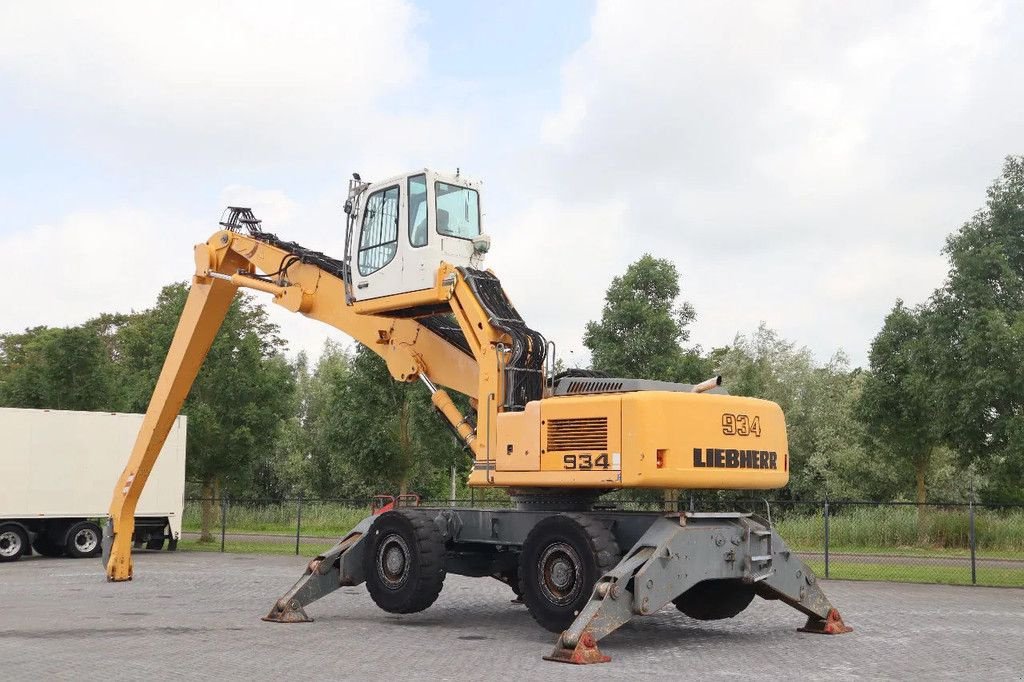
{"points": [[285, 611], [832, 625], [584, 653]]}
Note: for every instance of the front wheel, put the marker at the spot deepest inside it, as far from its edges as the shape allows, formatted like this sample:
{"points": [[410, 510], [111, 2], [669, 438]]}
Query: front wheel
{"points": [[404, 561], [83, 540], [13, 542], [562, 558]]}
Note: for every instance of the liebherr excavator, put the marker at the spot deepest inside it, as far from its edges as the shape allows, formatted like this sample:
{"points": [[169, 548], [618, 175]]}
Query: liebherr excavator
{"points": [[411, 287]]}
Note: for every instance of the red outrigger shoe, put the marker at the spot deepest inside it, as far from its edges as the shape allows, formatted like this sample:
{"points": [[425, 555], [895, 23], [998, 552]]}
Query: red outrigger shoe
{"points": [[832, 625], [583, 653]]}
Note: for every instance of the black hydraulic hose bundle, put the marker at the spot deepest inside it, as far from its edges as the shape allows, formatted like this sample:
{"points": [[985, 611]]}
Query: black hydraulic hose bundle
{"points": [[524, 369]]}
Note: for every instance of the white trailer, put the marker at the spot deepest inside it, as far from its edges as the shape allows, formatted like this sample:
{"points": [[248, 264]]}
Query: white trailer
{"points": [[58, 469]]}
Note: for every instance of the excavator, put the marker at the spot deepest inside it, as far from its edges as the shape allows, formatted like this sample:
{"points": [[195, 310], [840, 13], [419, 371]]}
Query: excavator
{"points": [[411, 287]]}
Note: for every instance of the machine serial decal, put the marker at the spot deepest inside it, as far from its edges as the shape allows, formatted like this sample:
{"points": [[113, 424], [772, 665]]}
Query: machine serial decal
{"points": [[587, 462], [741, 425], [730, 458]]}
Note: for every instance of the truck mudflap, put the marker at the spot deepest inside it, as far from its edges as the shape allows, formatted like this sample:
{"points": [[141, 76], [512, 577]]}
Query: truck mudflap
{"points": [[676, 553]]}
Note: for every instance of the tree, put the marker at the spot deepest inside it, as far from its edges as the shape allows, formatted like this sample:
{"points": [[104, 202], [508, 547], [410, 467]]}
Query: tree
{"points": [[825, 452], [976, 327], [56, 368], [643, 326], [238, 401], [897, 404], [388, 432]]}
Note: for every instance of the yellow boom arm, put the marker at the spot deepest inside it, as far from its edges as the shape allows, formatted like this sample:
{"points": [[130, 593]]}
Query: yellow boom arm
{"points": [[229, 260]]}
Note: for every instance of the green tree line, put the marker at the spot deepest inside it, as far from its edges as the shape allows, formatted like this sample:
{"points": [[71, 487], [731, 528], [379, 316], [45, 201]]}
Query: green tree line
{"points": [[938, 411]]}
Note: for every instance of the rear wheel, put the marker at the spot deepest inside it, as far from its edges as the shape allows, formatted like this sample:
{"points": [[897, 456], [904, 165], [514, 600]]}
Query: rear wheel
{"points": [[45, 546], [715, 599], [83, 540], [562, 558], [404, 561], [155, 542], [13, 541]]}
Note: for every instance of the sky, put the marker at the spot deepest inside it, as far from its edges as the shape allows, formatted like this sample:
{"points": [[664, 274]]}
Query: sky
{"points": [[800, 162]]}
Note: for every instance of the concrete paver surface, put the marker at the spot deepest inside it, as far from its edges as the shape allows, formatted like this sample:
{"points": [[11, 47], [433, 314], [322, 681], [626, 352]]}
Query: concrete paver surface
{"points": [[193, 615]]}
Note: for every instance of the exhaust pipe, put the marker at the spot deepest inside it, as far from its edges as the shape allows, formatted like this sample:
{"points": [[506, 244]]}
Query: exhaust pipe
{"points": [[704, 386]]}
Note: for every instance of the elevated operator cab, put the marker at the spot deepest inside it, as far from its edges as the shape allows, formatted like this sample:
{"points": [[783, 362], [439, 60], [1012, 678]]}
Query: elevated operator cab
{"points": [[401, 229]]}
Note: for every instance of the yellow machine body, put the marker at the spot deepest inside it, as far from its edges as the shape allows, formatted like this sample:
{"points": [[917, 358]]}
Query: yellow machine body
{"points": [[640, 439]]}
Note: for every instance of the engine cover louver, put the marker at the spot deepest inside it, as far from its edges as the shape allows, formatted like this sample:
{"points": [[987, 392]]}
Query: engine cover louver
{"points": [[584, 433], [594, 386]]}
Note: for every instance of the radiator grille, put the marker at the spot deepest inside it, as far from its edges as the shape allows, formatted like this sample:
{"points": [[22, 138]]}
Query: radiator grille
{"points": [[585, 433]]}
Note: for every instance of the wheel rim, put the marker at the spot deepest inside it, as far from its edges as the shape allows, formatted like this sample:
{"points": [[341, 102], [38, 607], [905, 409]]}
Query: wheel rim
{"points": [[393, 561], [86, 540], [10, 543], [560, 571]]}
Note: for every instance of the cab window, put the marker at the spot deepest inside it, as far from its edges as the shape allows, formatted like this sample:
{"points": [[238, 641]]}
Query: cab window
{"points": [[378, 241], [458, 210], [418, 210]]}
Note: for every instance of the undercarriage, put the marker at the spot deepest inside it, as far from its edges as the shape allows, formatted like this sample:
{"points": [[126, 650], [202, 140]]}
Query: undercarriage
{"points": [[581, 573]]}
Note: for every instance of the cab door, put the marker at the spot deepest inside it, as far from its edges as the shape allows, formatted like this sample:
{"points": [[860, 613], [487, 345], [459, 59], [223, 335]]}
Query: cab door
{"points": [[422, 256], [378, 270]]}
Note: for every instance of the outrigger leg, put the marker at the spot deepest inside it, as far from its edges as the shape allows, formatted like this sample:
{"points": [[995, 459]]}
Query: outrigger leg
{"points": [[679, 551], [340, 566]]}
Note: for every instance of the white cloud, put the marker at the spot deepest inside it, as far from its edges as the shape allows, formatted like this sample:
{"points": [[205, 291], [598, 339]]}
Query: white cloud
{"points": [[240, 82], [801, 163], [92, 262]]}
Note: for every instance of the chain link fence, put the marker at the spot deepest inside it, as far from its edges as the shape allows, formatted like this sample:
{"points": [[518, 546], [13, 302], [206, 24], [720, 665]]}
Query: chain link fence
{"points": [[960, 544]]}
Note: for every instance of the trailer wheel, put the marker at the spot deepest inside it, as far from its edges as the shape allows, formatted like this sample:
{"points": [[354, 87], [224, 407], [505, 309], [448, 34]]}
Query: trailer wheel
{"points": [[404, 561], [562, 558], [45, 546], [83, 540], [13, 541], [715, 599]]}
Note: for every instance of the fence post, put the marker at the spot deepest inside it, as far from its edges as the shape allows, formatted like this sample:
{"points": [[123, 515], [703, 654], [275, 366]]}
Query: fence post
{"points": [[223, 519], [973, 540], [826, 537], [298, 525]]}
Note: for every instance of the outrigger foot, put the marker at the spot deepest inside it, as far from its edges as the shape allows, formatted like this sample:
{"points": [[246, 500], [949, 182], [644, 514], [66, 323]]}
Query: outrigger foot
{"points": [[340, 566], [832, 625], [584, 653], [287, 611]]}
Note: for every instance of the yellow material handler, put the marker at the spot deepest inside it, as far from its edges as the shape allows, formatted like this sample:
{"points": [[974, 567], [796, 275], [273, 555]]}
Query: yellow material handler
{"points": [[412, 288]]}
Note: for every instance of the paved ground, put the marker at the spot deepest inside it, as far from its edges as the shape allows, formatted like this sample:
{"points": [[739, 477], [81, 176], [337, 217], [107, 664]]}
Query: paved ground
{"points": [[197, 615]]}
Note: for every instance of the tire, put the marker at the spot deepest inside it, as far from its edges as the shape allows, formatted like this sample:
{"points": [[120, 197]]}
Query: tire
{"points": [[715, 599], [83, 540], [45, 546], [562, 558], [13, 541], [155, 543], [404, 561]]}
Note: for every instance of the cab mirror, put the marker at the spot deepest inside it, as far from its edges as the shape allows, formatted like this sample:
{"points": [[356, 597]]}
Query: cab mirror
{"points": [[482, 243]]}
